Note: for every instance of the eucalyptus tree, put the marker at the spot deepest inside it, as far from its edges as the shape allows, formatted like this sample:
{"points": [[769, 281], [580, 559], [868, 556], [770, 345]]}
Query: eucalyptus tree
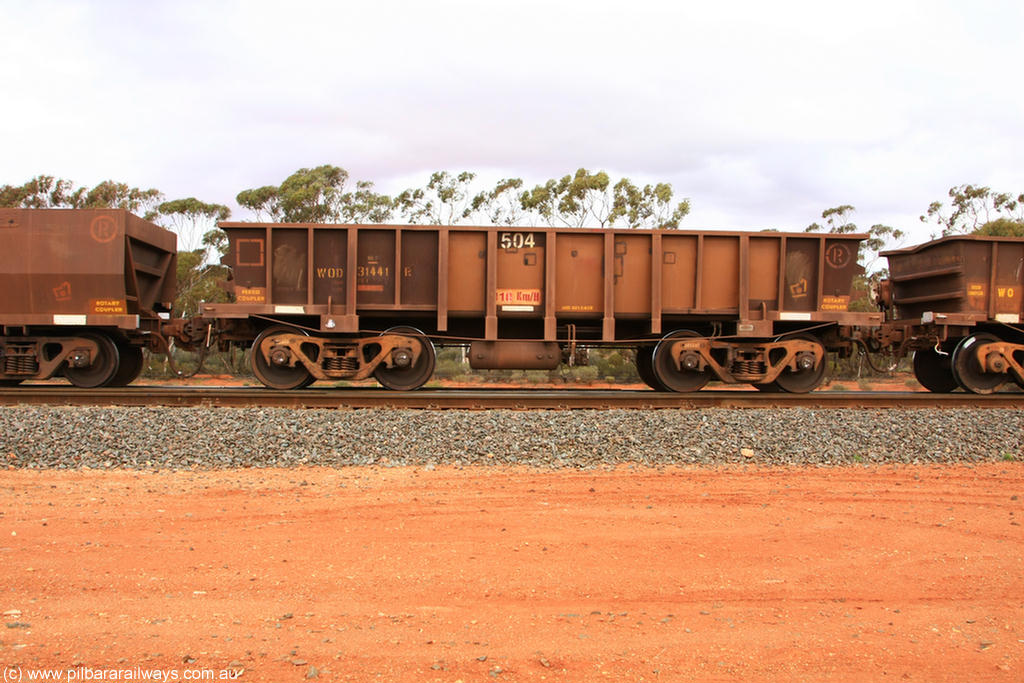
{"points": [[317, 195], [50, 192], [972, 207], [445, 200]]}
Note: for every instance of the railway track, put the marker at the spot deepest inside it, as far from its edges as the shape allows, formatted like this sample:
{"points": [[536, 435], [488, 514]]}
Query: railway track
{"points": [[482, 399]]}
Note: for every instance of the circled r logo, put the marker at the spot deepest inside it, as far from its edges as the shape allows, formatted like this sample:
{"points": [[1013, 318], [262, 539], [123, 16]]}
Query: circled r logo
{"points": [[837, 255], [103, 229]]}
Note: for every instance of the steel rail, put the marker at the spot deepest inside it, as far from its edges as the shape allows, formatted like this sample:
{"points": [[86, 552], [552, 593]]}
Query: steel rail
{"points": [[483, 399]]}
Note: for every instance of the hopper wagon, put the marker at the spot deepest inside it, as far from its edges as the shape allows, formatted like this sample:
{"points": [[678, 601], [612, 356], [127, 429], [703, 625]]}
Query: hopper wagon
{"points": [[82, 293], [957, 304], [330, 302]]}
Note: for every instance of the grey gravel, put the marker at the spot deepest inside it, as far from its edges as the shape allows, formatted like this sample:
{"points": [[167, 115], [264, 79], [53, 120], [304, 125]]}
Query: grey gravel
{"points": [[185, 438]]}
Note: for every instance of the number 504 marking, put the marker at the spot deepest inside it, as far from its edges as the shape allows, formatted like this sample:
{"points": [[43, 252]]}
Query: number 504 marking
{"points": [[516, 240]]}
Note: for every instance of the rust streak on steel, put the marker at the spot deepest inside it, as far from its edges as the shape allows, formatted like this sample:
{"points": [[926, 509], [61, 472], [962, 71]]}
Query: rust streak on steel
{"points": [[481, 399]]}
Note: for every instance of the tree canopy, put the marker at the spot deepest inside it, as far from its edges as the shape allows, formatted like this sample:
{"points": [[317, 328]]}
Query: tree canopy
{"points": [[194, 220], [50, 192], [589, 198], [446, 200], [317, 195], [1002, 227], [580, 199], [972, 207]]}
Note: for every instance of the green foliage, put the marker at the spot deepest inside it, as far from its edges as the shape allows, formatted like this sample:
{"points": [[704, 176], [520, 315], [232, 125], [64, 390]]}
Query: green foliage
{"points": [[647, 207], [41, 192], [837, 220], [311, 195], [1002, 227], [48, 192], [501, 205], [581, 199], [585, 374], [198, 281], [587, 198], [365, 206], [972, 207], [446, 200], [450, 363], [261, 200], [317, 195], [190, 218], [110, 194], [614, 365], [575, 200]]}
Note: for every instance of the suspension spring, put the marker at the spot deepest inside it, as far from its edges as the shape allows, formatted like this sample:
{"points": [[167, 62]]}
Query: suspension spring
{"points": [[748, 368], [341, 364], [21, 364]]}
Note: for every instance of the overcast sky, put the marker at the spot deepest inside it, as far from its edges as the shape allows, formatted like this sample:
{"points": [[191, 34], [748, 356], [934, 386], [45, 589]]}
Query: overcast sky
{"points": [[762, 113]]}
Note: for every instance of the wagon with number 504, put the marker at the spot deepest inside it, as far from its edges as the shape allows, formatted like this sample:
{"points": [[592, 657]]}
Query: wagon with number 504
{"points": [[356, 301]]}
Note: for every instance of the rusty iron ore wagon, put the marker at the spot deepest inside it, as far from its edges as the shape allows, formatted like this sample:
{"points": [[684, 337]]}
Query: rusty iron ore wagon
{"points": [[957, 303], [81, 293], [84, 291], [762, 308]]}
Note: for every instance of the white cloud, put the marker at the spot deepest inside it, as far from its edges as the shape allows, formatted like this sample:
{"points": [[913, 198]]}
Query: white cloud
{"points": [[762, 113]]}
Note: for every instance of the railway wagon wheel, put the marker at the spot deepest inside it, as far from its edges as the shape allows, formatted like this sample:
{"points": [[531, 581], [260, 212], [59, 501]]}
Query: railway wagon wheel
{"points": [[278, 375], [645, 368], [934, 370], [672, 378], [103, 367], [806, 378], [130, 366], [969, 373], [405, 375]]}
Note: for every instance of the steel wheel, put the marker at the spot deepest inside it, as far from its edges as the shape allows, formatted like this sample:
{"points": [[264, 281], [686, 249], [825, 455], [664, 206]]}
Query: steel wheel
{"points": [[412, 376], [968, 371], [645, 368], [665, 371], [934, 370], [103, 368], [130, 366], [273, 375], [803, 381]]}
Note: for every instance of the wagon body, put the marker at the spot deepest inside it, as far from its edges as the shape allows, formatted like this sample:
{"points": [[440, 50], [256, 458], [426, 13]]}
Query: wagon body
{"points": [[86, 267], [491, 283], [82, 292], [968, 279]]}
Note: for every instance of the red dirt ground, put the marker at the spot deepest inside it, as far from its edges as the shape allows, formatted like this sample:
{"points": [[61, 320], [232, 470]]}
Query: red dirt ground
{"points": [[367, 574]]}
